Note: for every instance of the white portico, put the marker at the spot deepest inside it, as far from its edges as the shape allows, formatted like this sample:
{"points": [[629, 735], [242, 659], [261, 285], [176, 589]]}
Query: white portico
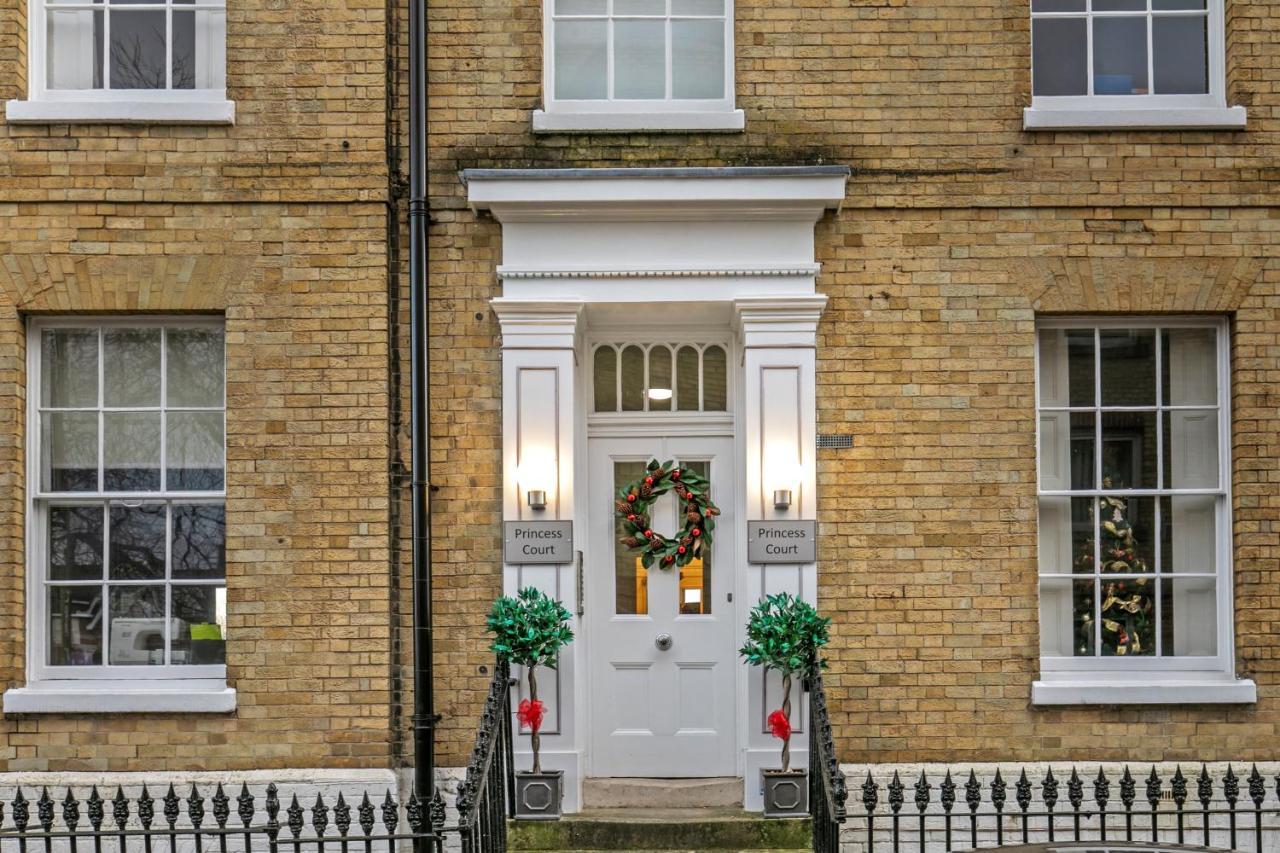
{"points": [[668, 313]]}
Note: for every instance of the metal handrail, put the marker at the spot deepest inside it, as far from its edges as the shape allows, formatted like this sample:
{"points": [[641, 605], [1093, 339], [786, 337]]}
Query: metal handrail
{"points": [[827, 790], [486, 797]]}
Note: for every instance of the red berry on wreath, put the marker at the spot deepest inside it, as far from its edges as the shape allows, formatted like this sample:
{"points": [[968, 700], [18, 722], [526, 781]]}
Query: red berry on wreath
{"points": [[648, 481], [675, 474], [681, 549], [631, 498], [648, 534], [697, 532], [631, 516]]}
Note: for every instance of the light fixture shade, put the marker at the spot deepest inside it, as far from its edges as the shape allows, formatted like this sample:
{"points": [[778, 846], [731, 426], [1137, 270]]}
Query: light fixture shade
{"points": [[537, 499], [782, 499], [659, 394]]}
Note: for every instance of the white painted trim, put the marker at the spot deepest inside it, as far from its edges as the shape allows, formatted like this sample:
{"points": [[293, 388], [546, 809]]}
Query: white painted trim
{"points": [[1211, 689], [507, 273], [569, 121], [188, 696], [1215, 118], [120, 112]]}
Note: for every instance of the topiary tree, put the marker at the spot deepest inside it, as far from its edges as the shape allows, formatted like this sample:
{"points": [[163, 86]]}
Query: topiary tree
{"points": [[785, 634], [529, 630]]}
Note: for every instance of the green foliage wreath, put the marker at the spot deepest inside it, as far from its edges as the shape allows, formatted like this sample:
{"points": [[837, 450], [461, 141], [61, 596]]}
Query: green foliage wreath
{"points": [[635, 504]]}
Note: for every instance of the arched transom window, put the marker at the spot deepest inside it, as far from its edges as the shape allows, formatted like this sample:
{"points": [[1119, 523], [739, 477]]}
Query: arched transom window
{"points": [[660, 377]]}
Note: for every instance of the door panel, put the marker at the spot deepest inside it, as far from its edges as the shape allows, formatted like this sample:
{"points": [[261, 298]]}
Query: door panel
{"points": [[654, 711]]}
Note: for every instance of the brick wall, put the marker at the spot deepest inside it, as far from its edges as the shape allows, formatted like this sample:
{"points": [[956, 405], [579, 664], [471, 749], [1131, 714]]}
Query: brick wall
{"points": [[958, 230]]}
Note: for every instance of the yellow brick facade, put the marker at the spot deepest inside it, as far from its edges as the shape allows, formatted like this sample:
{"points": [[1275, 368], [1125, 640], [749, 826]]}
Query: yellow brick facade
{"points": [[959, 229]]}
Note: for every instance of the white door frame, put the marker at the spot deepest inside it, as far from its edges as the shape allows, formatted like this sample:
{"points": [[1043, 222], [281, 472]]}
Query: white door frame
{"points": [[738, 242]]}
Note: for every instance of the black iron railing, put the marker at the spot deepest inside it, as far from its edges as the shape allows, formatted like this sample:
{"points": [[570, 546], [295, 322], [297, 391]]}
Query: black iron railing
{"points": [[487, 795], [176, 824], [992, 813], [827, 790]]}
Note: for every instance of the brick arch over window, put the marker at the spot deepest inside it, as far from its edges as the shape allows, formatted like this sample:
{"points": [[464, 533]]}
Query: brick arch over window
{"points": [[1124, 285], [65, 283]]}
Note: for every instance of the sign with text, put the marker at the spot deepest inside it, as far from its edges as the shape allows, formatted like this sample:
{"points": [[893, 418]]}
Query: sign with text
{"points": [[529, 542], [782, 541]]}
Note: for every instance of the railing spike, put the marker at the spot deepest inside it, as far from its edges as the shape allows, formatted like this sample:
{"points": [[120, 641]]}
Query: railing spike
{"points": [[70, 811], [922, 793], [97, 809], [146, 807], [413, 812], [1257, 787], [1154, 788], [1128, 788], [21, 811], [999, 791], [244, 805], [1022, 791], [437, 812], [342, 815], [972, 792], [1049, 789], [870, 794], [171, 806], [195, 807], [44, 810], [221, 807], [1075, 790], [365, 811], [120, 808], [1204, 786], [319, 816], [390, 813], [1179, 787], [294, 817], [896, 789], [1231, 786], [948, 793]]}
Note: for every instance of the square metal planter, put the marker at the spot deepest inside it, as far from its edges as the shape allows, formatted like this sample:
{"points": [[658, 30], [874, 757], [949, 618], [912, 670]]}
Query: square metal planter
{"points": [[539, 795], [785, 794]]}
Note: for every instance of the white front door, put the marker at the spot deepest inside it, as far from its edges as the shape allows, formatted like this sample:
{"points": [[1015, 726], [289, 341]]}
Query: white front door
{"points": [[658, 711]]}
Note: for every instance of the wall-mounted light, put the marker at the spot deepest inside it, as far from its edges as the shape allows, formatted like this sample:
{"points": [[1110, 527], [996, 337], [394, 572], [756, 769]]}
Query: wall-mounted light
{"points": [[782, 474], [535, 476]]}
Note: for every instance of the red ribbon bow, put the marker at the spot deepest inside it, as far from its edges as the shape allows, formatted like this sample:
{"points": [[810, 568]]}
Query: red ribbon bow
{"points": [[780, 726], [530, 714]]}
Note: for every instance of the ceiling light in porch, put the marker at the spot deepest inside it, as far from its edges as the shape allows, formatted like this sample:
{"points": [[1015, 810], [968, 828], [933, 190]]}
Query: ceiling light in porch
{"points": [[659, 393]]}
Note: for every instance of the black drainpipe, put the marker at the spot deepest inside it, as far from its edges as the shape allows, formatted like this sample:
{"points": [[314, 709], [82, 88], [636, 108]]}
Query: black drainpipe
{"points": [[424, 718]]}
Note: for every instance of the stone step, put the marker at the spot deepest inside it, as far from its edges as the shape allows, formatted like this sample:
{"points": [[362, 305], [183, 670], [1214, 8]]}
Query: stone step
{"points": [[666, 829], [720, 792]]}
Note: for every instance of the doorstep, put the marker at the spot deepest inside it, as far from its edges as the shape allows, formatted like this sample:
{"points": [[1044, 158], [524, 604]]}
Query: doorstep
{"points": [[669, 829]]}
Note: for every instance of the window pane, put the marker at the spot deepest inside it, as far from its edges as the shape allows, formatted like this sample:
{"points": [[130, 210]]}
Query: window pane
{"points": [[1189, 538], [137, 626], [1190, 367], [1129, 450], [195, 367], [580, 60], [75, 625], [1191, 449], [1128, 367], [1127, 535], [715, 380], [631, 579], [75, 543], [69, 368], [1059, 57], [687, 380], [1066, 536], [183, 72], [1128, 617], [633, 379], [138, 50], [131, 367], [137, 542], [1066, 367], [1082, 460], [660, 387], [1166, 5], [1190, 616], [1066, 617], [75, 49], [1057, 5], [69, 451], [695, 578], [199, 542], [1181, 59], [697, 59], [1120, 56], [1119, 5], [639, 7], [639, 60], [199, 625], [194, 444], [131, 451], [580, 7], [605, 376], [697, 7]]}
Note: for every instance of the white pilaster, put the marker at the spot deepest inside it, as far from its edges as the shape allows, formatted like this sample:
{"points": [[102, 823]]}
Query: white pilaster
{"points": [[779, 345], [539, 401]]}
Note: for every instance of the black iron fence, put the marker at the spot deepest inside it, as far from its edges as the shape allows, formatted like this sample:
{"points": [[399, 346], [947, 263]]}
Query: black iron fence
{"points": [[827, 790], [487, 795], [194, 823], [1232, 812]]}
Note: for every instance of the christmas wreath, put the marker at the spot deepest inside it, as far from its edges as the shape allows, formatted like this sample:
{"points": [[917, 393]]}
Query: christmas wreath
{"points": [[635, 503]]}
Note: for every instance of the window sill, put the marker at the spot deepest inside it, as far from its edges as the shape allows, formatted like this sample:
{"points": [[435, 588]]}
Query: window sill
{"points": [[1220, 118], [1209, 690], [120, 112], [189, 696], [727, 121]]}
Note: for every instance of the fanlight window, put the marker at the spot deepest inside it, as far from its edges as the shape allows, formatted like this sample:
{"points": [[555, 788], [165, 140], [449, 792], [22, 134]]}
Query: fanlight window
{"points": [[661, 378]]}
